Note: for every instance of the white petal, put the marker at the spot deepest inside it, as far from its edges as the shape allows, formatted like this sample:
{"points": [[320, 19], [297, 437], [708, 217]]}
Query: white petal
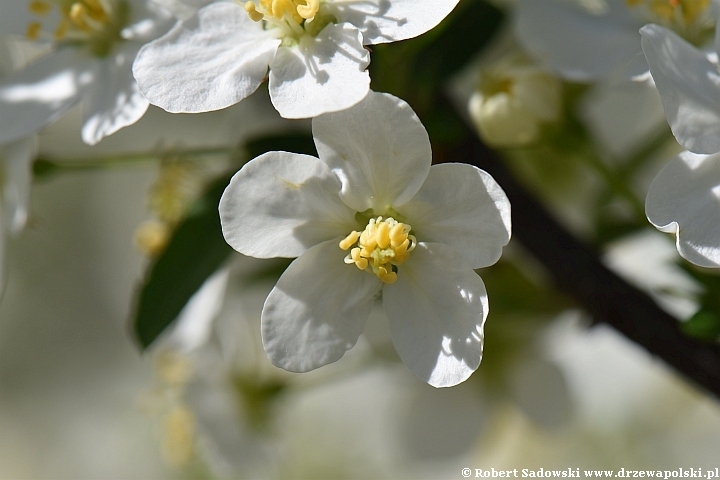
{"points": [[684, 199], [114, 100], [464, 207], [182, 9], [16, 172], [581, 45], [280, 204], [383, 21], [689, 87], [322, 74], [193, 326], [208, 62], [437, 309], [35, 96], [378, 148], [317, 310]]}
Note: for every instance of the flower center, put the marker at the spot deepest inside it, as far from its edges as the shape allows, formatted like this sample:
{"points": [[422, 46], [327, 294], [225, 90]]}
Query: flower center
{"points": [[92, 23], [294, 17], [383, 244], [683, 12]]}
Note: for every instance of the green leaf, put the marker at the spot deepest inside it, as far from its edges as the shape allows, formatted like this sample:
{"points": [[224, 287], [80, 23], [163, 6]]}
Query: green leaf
{"points": [[195, 251], [704, 324]]}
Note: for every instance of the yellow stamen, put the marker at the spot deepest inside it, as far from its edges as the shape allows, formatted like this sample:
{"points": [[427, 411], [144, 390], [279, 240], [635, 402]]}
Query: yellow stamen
{"points": [[33, 30], [382, 245], [62, 29], [179, 436], [251, 10], [288, 14], [38, 7], [308, 11], [78, 12], [349, 240]]}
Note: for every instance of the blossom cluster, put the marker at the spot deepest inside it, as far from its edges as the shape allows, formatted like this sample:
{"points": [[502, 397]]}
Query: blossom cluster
{"points": [[372, 187], [379, 229], [677, 52]]}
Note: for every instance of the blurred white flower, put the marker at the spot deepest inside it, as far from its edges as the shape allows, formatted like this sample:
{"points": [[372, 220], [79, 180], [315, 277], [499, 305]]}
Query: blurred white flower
{"points": [[684, 198], [512, 101], [315, 51], [588, 40], [215, 390], [92, 46], [420, 232], [15, 175]]}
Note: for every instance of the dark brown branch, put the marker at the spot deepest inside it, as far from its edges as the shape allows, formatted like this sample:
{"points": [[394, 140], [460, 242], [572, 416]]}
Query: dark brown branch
{"points": [[577, 271]]}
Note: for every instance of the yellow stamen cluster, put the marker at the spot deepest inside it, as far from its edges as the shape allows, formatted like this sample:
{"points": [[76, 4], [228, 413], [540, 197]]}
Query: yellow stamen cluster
{"points": [[178, 442], [177, 186], [173, 373], [381, 245], [297, 10], [95, 23], [78, 17], [685, 11]]}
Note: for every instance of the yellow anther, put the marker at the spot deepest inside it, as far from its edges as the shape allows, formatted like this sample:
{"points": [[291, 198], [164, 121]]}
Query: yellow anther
{"points": [[151, 237], [360, 262], [309, 10], [94, 5], [38, 7], [179, 436], [252, 12], [402, 248], [288, 14], [397, 235], [78, 11], [382, 246], [382, 234], [33, 30], [62, 29], [390, 277], [278, 8], [350, 240]]}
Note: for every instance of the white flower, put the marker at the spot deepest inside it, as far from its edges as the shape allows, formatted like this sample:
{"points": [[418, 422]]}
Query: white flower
{"points": [[93, 45], [314, 49], [512, 101], [593, 39], [370, 216]]}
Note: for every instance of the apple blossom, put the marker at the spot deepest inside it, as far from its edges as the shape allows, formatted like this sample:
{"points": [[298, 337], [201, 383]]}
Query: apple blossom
{"points": [[588, 40], [92, 46], [315, 50], [371, 217]]}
